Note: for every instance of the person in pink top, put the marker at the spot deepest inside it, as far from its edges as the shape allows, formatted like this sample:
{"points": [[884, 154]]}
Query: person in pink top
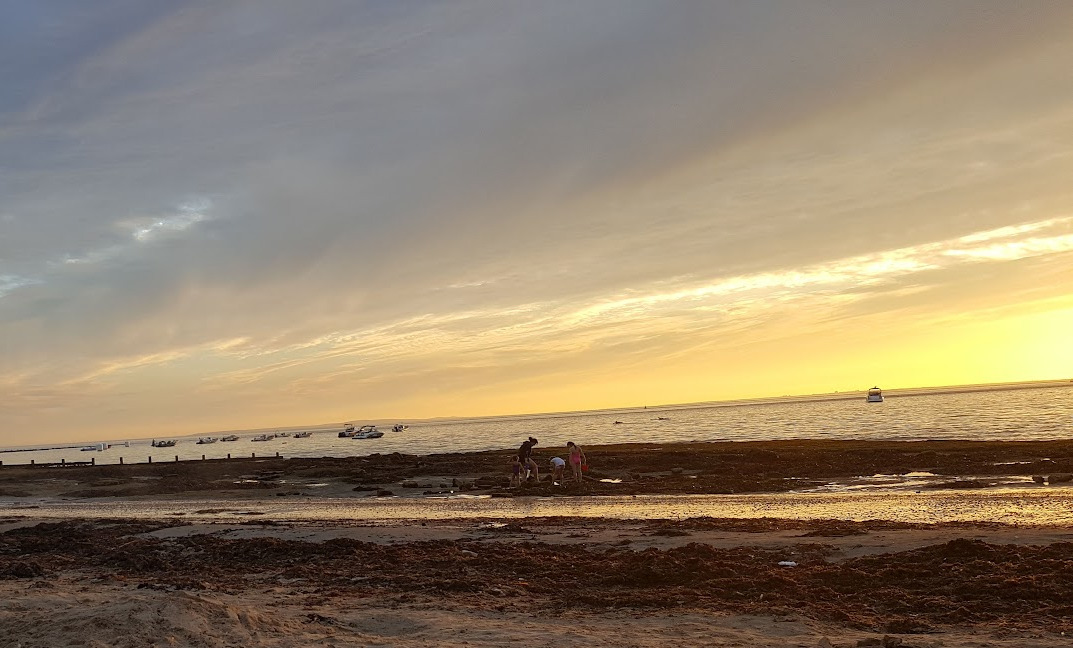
{"points": [[577, 459]]}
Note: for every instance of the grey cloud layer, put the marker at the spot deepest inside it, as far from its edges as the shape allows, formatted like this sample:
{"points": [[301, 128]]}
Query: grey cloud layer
{"points": [[352, 166]]}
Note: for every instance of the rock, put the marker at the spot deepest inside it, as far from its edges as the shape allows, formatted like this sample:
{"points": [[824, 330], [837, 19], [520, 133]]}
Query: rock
{"points": [[891, 642], [1059, 478], [410, 484], [825, 643], [678, 470], [467, 552], [1039, 479], [383, 492], [869, 642]]}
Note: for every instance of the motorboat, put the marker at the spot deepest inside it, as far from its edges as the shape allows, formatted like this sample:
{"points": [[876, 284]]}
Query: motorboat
{"points": [[97, 447], [302, 435], [348, 431], [875, 395], [170, 443], [398, 427], [229, 437], [263, 437], [368, 432], [202, 441]]}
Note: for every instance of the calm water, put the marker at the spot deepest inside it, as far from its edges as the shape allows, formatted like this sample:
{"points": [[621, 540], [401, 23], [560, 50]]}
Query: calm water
{"points": [[1023, 414], [1021, 506]]}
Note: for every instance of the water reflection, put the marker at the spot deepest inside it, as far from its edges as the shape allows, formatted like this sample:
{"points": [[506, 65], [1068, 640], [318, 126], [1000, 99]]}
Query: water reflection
{"points": [[1053, 506]]}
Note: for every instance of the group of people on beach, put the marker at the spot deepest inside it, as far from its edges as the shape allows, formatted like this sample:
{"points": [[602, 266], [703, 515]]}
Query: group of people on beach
{"points": [[525, 468]]}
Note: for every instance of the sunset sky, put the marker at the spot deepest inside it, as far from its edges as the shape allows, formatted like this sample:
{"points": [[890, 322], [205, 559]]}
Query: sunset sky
{"points": [[225, 215]]}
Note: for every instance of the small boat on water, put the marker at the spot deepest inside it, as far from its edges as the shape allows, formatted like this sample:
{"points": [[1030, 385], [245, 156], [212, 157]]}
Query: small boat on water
{"points": [[302, 435], [170, 443], [263, 437], [875, 395], [368, 432], [398, 427], [282, 435], [97, 447], [348, 431], [229, 437], [204, 440]]}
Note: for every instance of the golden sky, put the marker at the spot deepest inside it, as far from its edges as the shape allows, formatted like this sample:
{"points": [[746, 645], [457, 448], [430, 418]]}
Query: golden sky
{"points": [[256, 214]]}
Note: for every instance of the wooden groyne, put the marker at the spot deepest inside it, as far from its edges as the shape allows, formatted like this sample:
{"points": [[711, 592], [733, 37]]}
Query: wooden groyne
{"points": [[63, 463]]}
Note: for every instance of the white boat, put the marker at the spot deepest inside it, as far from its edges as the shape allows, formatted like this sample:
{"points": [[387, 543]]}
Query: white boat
{"points": [[399, 427], [163, 444], [368, 432], [302, 435], [94, 448], [875, 395], [202, 441], [229, 437], [263, 437], [348, 431]]}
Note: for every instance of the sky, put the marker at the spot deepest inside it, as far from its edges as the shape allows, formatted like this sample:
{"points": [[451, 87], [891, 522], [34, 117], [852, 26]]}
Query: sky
{"points": [[265, 213]]}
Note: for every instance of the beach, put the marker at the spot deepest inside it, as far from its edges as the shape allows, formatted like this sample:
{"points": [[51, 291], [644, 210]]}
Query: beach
{"points": [[184, 580]]}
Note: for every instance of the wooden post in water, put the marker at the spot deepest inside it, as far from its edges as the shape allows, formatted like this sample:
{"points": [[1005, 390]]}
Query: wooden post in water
{"points": [[277, 454], [63, 461], [93, 461], [121, 461], [150, 458], [253, 455], [203, 457], [31, 462], [176, 458], [228, 455]]}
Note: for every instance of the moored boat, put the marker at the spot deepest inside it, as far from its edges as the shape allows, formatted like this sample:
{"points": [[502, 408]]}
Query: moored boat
{"points": [[204, 440], [229, 437], [302, 435], [875, 395], [263, 437], [368, 432], [348, 431], [170, 443]]}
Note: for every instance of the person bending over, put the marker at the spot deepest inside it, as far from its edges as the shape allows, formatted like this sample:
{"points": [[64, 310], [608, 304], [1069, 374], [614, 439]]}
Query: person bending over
{"points": [[525, 455]]}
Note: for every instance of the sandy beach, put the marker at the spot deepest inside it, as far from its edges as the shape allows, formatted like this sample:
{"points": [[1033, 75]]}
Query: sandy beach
{"points": [[562, 581]]}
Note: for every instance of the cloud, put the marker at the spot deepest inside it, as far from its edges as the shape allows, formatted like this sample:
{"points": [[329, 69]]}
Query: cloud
{"points": [[248, 194]]}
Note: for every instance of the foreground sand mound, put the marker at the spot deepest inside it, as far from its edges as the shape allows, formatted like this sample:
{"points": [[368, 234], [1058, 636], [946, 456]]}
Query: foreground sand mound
{"points": [[67, 614]]}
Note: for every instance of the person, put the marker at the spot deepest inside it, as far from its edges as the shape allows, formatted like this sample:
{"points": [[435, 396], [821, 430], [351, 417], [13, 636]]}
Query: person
{"points": [[525, 455], [516, 471], [557, 466], [577, 459]]}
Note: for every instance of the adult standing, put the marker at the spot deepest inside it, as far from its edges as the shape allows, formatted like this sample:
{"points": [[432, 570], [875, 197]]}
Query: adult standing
{"points": [[525, 455]]}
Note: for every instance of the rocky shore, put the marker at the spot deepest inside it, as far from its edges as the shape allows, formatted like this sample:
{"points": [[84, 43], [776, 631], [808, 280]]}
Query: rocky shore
{"points": [[716, 468], [584, 582]]}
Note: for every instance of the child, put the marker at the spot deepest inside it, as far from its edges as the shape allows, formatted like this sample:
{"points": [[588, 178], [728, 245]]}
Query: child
{"points": [[557, 466], [516, 471], [577, 459]]}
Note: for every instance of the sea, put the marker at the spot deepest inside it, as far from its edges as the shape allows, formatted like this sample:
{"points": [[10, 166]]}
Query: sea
{"points": [[1016, 412], [993, 412]]}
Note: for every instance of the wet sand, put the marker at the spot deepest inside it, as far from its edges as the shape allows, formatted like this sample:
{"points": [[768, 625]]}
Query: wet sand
{"points": [[558, 581]]}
